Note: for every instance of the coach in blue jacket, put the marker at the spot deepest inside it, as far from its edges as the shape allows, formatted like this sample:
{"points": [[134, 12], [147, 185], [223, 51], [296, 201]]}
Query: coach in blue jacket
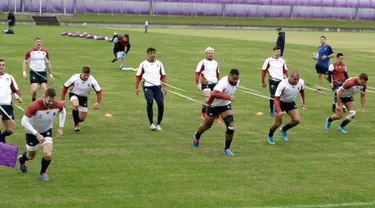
{"points": [[280, 40]]}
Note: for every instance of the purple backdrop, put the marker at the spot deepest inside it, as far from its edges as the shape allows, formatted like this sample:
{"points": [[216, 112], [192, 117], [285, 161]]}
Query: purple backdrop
{"points": [[339, 9]]}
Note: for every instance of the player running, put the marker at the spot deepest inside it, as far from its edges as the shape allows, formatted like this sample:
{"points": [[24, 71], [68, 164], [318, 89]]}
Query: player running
{"points": [[153, 73], [220, 104], [345, 97], [38, 122], [121, 48], [337, 74], [81, 86], [8, 86], [37, 57], [285, 95], [277, 70], [207, 75]]}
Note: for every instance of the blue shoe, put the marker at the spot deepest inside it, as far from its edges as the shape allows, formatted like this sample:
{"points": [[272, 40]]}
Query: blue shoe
{"points": [[283, 135], [342, 129], [44, 176], [195, 141], [23, 167], [272, 114], [328, 125], [228, 152], [270, 140]]}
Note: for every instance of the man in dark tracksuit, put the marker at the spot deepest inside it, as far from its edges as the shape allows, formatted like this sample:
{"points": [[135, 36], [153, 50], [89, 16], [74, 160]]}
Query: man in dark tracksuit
{"points": [[280, 42], [11, 22]]}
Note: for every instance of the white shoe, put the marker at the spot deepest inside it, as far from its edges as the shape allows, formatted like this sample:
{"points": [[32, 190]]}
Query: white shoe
{"points": [[158, 127], [152, 127]]}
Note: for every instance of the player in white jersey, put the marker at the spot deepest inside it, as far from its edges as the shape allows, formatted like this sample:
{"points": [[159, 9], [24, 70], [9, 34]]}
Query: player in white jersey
{"points": [[37, 57], [81, 87], [153, 73], [277, 71], [345, 97], [220, 104], [285, 95], [207, 75], [8, 86], [38, 122]]}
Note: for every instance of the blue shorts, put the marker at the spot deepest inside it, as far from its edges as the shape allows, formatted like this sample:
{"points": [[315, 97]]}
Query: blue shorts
{"points": [[321, 69], [9, 110], [216, 111], [336, 87], [38, 77], [272, 84]]}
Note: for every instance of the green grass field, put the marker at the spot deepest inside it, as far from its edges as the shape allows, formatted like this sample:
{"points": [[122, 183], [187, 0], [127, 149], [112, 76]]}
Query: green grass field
{"points": [[209, 20], [118, 162]]}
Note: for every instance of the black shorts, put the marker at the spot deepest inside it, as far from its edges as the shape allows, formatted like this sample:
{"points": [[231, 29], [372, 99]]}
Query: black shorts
{"points": [[216, 111], [38, 77], [272, 84], [208, 86], [285, 107], [31, 139], [9, 110], [82, 100], [347, 99], [321, 69], [12, 23]]}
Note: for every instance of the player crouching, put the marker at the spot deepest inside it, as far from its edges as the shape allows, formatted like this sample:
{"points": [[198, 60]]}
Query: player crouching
{"points": [[345, 97], [38, 122], [82, 84]]}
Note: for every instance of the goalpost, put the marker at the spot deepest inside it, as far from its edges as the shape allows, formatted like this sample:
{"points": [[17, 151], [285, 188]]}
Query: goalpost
{"points": [[35, 3]]}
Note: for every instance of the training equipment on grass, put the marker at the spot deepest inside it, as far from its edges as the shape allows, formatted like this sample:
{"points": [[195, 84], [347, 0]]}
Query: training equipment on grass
{"points": [[259, 114], [90, 37], [83, 35], [101, 38], [8, 155], [108, 115], [146, 24], [64, 33], [129, 69]]}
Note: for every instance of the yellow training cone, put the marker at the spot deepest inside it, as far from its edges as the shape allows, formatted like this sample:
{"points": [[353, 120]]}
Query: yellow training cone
{"points": [[108, 115], [259, 114]]}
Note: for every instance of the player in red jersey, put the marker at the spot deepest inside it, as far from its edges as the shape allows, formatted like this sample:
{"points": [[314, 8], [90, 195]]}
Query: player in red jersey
{"points": [[38, 122], [345, 97], [37, 57], [8, 86], [121, 48], [337, 74]]}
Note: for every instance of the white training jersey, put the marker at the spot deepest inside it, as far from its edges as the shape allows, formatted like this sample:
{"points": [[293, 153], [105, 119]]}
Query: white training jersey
{"points": [[275, 67], [37, 59], [151, 72], [288, 92], [81, 87], [40, 117], [227, 89], [351, 87], [8, 86], [209, 70]]}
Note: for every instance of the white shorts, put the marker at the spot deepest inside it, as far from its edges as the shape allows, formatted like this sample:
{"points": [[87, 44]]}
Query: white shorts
{"points": [[33, 148], [120, 55], [82, 100]]}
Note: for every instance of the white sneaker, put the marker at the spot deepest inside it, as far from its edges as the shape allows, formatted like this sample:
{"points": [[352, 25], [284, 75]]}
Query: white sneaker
{"points": [[152, 127], [158, 127]]}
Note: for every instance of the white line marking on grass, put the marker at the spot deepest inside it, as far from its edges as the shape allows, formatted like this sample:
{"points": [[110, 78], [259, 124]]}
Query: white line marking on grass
{"points": [[322, 205]]}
